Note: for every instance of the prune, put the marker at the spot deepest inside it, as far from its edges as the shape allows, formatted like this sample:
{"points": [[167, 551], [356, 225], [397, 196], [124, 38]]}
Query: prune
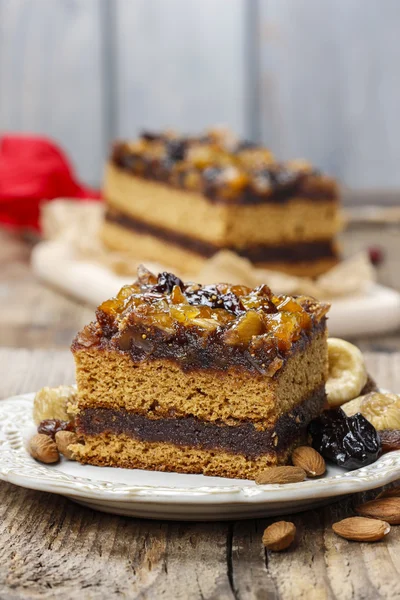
{"points": [[232, 303], [166, 282], [52, 426], [283, 177], [210, 296], [350, 442], [176, 149]]}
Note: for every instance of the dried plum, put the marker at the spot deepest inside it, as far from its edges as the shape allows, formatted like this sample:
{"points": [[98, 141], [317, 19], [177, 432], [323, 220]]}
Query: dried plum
{"points": [[52, 426], [210, 296], [350, 442], [166, 282], [176, 149]]}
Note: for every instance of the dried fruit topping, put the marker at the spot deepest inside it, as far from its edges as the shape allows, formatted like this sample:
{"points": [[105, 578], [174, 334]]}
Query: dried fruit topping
{"points": [[215, 325], [52, 426], [390, 440], [166, 282], [250, 324], [145, 277], [219, 166], [350, 442]]}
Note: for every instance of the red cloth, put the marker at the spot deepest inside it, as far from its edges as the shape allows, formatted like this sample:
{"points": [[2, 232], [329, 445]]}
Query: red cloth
{"points": [[33, 169]]}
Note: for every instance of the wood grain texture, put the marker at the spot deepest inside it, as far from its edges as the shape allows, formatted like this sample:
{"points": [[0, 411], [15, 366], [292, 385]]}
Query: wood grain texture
{"points": [[331, 86], [180, 64], [51, 76]]}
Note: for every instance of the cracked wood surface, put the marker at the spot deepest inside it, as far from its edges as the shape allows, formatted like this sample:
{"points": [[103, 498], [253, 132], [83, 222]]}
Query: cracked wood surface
{"points": [[53, 548]]}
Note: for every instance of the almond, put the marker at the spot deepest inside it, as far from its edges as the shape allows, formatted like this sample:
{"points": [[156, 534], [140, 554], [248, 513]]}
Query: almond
{"points": [[310, 460], [279, 536], [387, 509], [360, 529], [43, 448], [392, 492], [63, 440], [286, 474]]}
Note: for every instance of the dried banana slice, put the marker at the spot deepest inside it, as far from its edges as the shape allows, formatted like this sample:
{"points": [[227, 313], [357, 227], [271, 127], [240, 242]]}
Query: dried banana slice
{"points": [[53, 403], [347, 372], [381, 410]]}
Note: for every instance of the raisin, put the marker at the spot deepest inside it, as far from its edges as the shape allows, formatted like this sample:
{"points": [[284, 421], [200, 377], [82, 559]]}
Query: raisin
{"points": [[166, 282], [390, 440], [350, 442], [52, 426]]}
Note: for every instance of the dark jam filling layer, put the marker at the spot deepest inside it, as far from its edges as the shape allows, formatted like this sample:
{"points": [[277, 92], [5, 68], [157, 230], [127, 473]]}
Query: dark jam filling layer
{"points": [[189, 431], [293, 253], [204, 327], [241, 173]]}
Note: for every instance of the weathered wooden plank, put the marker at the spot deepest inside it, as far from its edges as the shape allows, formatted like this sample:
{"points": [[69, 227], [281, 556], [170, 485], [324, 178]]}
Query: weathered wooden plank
{"points": [[251, 577], [181, 64], [331, 87], [33, 315], [51, 77]]}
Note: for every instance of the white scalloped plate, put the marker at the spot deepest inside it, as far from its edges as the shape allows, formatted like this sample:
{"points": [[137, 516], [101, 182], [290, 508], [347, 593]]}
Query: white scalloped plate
{"points": [[170, 495]]}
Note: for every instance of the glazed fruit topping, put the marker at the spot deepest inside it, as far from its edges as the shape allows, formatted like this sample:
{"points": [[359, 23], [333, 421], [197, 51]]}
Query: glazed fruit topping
{"points": [[216, 165], [350, 442], [52, 426], [207, 324]]}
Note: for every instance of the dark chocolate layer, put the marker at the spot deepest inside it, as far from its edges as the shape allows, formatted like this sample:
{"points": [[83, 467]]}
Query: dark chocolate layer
{"points": [[292, 253], [190, 431]]}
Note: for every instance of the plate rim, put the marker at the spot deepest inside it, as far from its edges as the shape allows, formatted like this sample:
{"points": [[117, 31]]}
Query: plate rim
{"points": [[19, 468]]}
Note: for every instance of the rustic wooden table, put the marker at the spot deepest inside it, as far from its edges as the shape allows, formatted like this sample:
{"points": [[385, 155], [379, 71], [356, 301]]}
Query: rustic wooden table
{"points": [[52, 548]]}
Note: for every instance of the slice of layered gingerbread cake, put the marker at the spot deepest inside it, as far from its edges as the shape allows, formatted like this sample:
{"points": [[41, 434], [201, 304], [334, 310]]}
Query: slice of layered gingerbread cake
{"points": [[179, 200], [221, 380]]}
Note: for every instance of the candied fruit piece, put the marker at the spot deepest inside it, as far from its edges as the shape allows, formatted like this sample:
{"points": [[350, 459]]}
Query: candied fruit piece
{"points": [[208, 324], [291, 305], [285, 328], [146, 277], [177, 297], [185, 312], [248, 325]]}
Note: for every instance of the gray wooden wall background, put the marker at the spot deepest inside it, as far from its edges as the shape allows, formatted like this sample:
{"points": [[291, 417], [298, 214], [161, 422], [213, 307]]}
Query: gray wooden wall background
{"points": [[312, 78]]}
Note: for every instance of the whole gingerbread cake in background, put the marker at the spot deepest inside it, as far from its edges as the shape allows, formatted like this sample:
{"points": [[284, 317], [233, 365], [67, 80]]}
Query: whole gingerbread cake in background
{"points": [[179, 200], [221, 380]]}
